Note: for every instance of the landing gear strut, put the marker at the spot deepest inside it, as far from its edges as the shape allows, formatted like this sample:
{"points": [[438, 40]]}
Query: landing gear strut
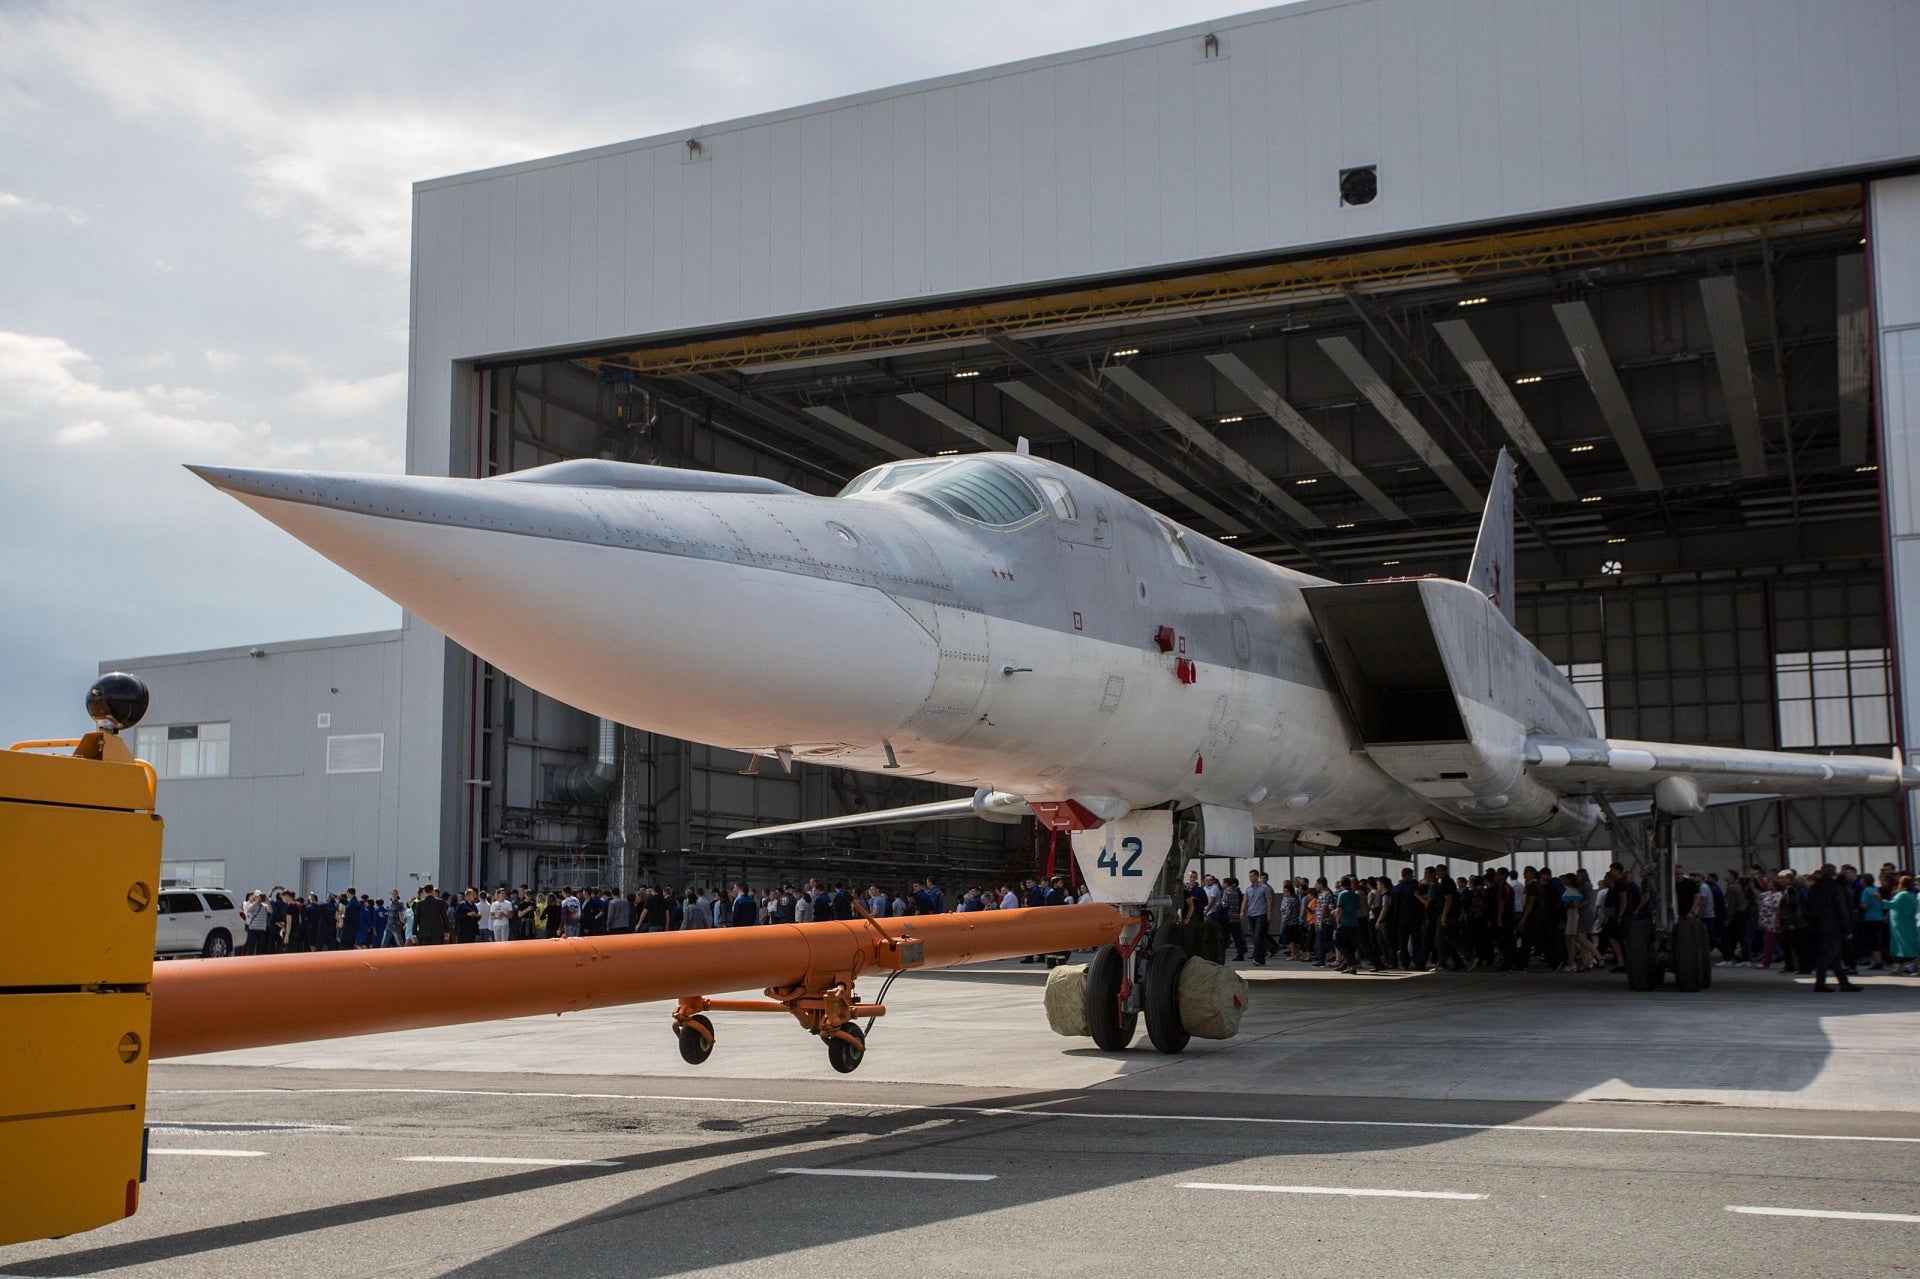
{"points": [[1665, 943]]}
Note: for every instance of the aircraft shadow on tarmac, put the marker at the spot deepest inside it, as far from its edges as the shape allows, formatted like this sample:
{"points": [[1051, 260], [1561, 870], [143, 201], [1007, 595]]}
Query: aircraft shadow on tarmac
{"points": [[689, 1223]]}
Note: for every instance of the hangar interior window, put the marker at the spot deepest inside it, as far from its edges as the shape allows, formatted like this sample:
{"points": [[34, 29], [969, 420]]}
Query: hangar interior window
{"points": [[184, 750], [1590, 681], [1833, 697], [978, 491], [1865, 857]]}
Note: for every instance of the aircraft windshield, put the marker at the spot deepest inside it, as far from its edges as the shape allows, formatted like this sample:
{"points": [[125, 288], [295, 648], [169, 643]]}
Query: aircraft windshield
{"points": [[968, 487]]}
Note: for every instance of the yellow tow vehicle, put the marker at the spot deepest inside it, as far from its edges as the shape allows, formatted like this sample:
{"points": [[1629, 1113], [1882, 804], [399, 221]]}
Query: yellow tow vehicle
{"points": [[75, 1001]]}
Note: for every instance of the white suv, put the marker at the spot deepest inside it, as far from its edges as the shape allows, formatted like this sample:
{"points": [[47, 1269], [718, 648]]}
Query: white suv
{"points": [[197, 921]]}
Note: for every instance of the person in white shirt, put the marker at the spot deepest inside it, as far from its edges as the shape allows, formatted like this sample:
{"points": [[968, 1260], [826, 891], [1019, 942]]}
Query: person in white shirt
{"points": [[500, 914], [899, 904], [803, 905], [1009, 900]]}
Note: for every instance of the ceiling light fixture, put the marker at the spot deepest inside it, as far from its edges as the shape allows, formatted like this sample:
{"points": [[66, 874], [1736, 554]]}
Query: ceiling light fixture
{"points": [[1348, 524], [1229, 537], [1125, 351], [1307, 481], [1470, 301], [1581, 448], [1388, 563], [1528, 380], [1615, 541], [1231, 418], [966, 372], [945, 452], [1589, 499], [1862, 470]]}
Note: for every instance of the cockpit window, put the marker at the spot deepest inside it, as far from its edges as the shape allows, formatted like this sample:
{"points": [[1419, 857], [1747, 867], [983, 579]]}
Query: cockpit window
{"points": [[980, 491], [1177, 544], [970, 488], [1057, 497]]}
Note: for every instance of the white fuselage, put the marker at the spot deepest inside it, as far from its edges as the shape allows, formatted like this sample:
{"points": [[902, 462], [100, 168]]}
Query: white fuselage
{"points": [[1025, 656]]}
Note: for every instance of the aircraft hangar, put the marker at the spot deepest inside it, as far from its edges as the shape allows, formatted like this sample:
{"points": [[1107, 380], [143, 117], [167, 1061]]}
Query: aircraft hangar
{"points": [[1292, 278]]}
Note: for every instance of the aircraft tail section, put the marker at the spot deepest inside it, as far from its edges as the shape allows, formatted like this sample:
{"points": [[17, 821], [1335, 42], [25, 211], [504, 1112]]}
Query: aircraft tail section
{"points": [[1492, 571]]}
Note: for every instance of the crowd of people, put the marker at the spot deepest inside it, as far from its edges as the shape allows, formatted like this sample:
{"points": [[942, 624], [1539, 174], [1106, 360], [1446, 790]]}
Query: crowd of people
{"points": [[1831, 921], [284, 921]]}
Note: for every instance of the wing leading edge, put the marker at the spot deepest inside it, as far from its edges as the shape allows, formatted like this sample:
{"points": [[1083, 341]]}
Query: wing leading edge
{"points": [[1610, 767]]}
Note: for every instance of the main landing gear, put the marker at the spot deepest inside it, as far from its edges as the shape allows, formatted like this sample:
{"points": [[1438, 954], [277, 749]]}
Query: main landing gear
{"points": [[829, 1015], [1667, 944]]}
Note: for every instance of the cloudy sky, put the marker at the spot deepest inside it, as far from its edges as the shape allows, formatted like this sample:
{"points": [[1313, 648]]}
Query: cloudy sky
{"points": [[203, 257]]}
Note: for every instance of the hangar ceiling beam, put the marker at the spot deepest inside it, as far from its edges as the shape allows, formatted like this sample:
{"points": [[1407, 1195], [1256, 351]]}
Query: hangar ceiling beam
{"points": [[860, 431], [1156, 403], [957, 421], [1494, 390], [776, 416], [1590, 353], [1370, 384], [1854, 335], [1721, 295], [1021, 393], [1268, 401]]}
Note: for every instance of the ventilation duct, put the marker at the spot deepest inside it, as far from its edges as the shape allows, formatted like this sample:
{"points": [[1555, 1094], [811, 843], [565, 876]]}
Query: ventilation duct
{"points": [[592, 782]]}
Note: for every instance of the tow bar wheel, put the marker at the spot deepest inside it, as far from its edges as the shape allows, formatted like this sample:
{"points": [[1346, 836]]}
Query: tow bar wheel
{"points": [[843, 1056], [1164, 1027], [1111, 1028], [695, 1047]]}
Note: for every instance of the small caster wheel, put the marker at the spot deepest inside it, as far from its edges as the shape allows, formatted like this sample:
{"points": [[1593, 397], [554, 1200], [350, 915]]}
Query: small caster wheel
{"points": [[695, 1047], [843, 1056]]}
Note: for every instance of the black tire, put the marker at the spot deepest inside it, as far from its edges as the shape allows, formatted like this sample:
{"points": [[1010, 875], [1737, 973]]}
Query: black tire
{"points": [[1691, 957], [695, 1047], [219, 944], [843, 1056], [1112, 1030], [1641, 973], [1164, 1027]]}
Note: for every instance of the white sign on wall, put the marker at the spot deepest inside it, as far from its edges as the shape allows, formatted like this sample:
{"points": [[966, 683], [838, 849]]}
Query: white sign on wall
{"points": [[356, 753], [1121, 861]]}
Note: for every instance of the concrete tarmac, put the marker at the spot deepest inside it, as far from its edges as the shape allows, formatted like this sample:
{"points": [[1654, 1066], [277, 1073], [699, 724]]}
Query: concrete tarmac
{"points": [[974, 1142]]}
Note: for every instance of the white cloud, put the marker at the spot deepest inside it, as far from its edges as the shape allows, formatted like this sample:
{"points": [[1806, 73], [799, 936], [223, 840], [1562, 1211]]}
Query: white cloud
{"points": [[341, 172], [20, 205], [352, 397], [50, 388]]}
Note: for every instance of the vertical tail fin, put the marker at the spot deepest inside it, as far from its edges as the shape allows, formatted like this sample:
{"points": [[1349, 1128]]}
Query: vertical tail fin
{"points": [[1492, 571]]}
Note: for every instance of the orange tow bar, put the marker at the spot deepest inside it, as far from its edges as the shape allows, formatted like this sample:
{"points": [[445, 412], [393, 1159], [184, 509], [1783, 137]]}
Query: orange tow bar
{"points": [[807, 970]]}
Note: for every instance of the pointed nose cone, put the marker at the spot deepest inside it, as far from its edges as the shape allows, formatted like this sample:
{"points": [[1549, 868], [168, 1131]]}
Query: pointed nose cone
{"points": [[632, 605]]}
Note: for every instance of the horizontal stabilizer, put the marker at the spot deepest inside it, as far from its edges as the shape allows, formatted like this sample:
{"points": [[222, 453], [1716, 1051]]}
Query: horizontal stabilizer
{"points": [[989, 804]]}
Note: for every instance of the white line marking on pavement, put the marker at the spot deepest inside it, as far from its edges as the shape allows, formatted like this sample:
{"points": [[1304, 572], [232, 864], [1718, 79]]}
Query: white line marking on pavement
{"points": [[215, 1154], [503, 1159], [1045, 1114], [209, 1128], [1329, 1190], [883, 1172], [1820, 1212]]}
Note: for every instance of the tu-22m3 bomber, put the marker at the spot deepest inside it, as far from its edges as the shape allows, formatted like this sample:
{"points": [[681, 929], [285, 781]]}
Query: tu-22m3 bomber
{"points": [[1004, 623]]}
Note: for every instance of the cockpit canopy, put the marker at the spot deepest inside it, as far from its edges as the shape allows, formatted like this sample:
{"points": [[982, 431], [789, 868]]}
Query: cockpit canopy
{"points": [[971, 488]]}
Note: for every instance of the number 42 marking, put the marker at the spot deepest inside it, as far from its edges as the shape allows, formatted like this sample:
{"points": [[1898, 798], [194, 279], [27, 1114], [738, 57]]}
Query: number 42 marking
{"points": [[1110, 862]]}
